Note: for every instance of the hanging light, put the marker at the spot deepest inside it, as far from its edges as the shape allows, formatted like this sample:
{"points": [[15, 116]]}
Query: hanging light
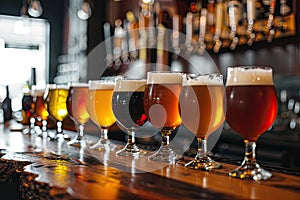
{"points": [[85, 11], [35, 8]]}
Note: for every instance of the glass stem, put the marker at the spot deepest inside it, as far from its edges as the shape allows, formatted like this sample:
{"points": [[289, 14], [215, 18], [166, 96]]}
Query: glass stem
{"points": [[202, 147], [249, 153], [131, 137], [32, 125], [165, 138], [44, 127], [59, 131], [105, 134], [81, 133]]}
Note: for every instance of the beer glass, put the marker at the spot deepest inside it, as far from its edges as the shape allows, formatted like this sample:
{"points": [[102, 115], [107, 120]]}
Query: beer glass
{"points": [[76, 105], [57, 107], [161, 104], [41, 111], [202, 112], [128, 109], [99, 106], [251, 110]]}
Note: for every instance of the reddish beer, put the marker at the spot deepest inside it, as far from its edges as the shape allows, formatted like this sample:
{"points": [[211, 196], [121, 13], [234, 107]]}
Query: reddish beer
{"points": [[251, 109], [252, 106], [76, 102]]}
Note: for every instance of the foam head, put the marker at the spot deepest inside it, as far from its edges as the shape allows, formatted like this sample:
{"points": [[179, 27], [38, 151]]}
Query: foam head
{"points": [[130, 85], [249, 75], [159, 77], [101, 85], [79, 85], [199, 79]]}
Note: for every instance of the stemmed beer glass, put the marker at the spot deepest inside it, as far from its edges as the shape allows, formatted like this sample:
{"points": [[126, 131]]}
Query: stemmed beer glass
{"points": [[202, 112], [76, 105], [41, 111], [161, 104], [99, 106], [128, 109], [57, 108], [251, 110]]}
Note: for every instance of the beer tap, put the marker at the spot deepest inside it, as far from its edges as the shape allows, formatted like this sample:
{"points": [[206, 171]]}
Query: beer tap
{"points": [[284, 8], [189, 33], [161, 61], [235, 14], [270, 24], [219, 18], [108, 48], [132, 27], [250, 19], [202, 31], [118, 38], [124, 46]]}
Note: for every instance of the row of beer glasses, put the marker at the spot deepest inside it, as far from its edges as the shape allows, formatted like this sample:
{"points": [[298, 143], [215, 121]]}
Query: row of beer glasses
{"points": [[169, 99], [198, 102]]}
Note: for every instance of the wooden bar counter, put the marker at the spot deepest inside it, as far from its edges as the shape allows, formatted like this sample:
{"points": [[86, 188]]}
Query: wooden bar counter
{"points": [[42, 169]]}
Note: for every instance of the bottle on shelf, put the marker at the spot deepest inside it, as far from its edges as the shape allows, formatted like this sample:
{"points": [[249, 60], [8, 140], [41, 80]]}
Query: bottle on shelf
{"points": [[6, 106]]}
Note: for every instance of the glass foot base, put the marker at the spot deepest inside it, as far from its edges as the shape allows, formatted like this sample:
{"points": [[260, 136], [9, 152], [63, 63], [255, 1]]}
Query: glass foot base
{"points": [[250, 172], [103, 145], [130, 150], [80, 142], [205, 163], [165, 154]]}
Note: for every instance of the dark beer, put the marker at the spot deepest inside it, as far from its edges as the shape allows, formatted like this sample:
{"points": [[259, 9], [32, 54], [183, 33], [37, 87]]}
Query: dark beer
{"points": [[251, 109], [128, 108]]}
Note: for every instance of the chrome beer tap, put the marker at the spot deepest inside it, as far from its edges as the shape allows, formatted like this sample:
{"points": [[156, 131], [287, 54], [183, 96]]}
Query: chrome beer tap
{"points": [[235, 14], [218, 31], [250, 19], [270, 24]]}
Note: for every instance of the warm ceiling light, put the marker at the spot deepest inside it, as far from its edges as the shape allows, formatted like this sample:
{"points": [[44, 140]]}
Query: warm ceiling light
{"points": [[35, 8], [85, 12]]}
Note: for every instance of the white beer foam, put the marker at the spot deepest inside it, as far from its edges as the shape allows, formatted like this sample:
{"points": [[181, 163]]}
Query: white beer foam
{"points": [[101, 85], [130, 85], [164, 78], [79, 85], [249, 76], [209, 79]]}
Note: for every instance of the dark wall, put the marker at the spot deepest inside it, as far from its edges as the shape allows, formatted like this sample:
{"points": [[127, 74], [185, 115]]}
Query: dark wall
{"points": [[54, 11]]}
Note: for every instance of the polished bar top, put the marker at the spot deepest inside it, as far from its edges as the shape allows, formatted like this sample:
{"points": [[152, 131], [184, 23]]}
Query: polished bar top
{"points": [[52, 170]]}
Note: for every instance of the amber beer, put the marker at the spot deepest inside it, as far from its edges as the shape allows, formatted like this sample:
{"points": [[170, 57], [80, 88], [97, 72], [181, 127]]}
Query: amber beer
{"points": [[202, 104], [128, 103], [161, 100], [99, 103], [251, 102], [76, 102], [40, 109]]}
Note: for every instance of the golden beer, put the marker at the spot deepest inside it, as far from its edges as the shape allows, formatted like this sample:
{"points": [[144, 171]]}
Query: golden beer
{"points": [[99, 104], [56, 104]]}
